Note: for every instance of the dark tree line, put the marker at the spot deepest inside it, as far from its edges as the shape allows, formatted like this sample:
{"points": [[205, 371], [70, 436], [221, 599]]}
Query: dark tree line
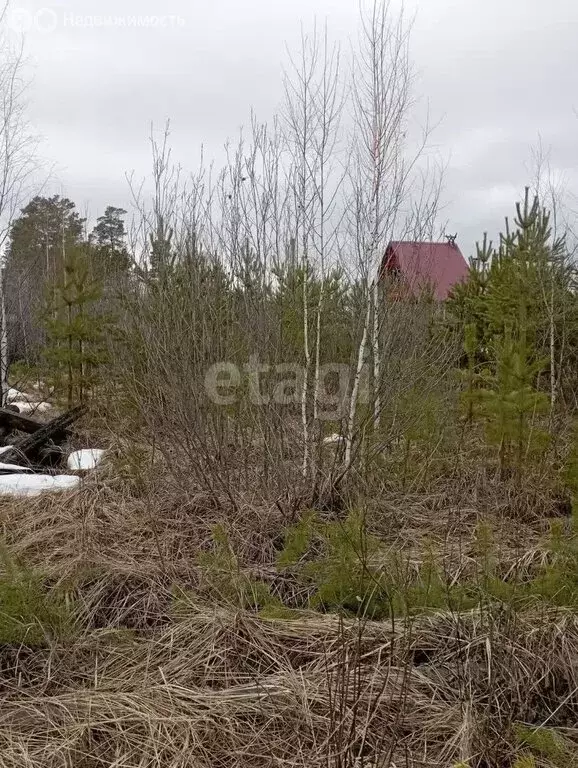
{"points": [[45, 240]]}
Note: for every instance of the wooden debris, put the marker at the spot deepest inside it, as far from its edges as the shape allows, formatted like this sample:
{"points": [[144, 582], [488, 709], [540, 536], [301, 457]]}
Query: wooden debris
{"points": [[40, 438], [15, 420]]}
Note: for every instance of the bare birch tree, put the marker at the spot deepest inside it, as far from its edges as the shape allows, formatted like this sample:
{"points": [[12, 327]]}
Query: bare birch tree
{"points": [[550, 191], [280, 205], [313, 107], [387, 200], [301, 117], [328, 104], [382, 100], [17, 161]]}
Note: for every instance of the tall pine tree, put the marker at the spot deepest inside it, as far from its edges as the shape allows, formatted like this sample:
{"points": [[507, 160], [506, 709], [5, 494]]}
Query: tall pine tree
{"points": [[525, 286], [33, 261], [74, 333], [108, 238]]}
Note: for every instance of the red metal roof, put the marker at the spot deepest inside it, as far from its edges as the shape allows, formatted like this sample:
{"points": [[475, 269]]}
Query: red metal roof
{"points": [[438, 266]]}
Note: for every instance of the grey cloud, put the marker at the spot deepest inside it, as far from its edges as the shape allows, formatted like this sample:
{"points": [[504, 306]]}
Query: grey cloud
{"points": [[495, 74]]}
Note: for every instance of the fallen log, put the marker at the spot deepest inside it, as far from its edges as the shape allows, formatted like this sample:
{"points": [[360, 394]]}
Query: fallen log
{"points": [[15, 420], [30, 448]]}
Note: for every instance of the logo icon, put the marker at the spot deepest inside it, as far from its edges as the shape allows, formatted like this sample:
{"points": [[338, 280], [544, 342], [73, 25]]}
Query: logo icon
{"points": [[20, 20], [44, 20]]}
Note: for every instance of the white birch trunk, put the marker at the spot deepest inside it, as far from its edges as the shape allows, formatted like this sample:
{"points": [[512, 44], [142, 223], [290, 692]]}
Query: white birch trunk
{"points": [[376, 358], [318, 352], [553, 383], [3, 344], [355, 389], [304, 420]]}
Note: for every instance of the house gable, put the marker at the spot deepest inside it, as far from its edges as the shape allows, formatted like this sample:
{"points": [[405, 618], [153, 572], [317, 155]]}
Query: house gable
{"points": [[422, 266]]}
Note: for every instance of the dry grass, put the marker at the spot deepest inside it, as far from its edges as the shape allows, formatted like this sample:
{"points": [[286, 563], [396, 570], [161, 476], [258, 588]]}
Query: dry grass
{"points": [[217, 688], [156, 676]]}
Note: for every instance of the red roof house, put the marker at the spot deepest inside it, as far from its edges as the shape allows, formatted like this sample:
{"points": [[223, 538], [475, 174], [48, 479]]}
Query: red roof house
{"points": [[425, 266]]}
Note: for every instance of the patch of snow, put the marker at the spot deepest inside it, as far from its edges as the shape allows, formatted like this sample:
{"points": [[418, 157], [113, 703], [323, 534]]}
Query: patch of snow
{"points": [[334, 439], [34, 485], [87, 458], [26, 407], [14, 394], [13, 468]]}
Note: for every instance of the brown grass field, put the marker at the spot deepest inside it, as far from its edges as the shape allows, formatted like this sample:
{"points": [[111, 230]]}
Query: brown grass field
{"points": [[153, 668]]}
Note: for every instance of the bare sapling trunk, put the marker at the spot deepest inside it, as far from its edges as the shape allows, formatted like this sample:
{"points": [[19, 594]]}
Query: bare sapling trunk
{"points": [[301, 117], [69, 338], [376, 356], [381, 103], [328, 106], [3, 344], [376, 162], [17, 164], [316, 375], [550, 190], [307, 367], [553, 387], [313, 110], [353, 400]]}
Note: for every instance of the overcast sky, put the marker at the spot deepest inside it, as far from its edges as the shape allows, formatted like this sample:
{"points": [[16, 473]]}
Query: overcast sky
{"points": [[497, 75]]}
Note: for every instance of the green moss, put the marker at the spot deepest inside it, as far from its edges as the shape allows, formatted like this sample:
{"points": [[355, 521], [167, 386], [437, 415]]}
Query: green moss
{"points": [[279, 611], [29, 613], [547, 743], [524, 761]]}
